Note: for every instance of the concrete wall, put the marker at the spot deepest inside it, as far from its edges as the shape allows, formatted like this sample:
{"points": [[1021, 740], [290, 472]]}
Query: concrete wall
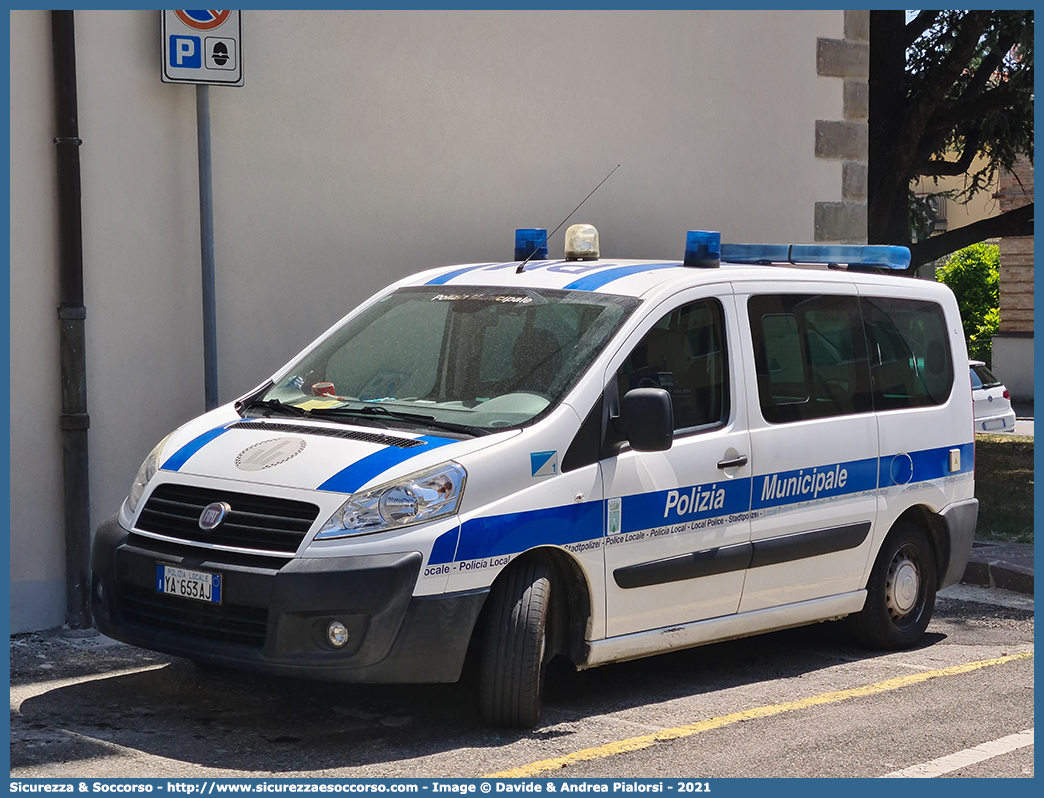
{"points": [[1013, 364], [365, 146], [37, 550]]}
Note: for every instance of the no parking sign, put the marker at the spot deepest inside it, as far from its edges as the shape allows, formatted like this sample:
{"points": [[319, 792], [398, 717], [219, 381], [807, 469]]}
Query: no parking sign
{"points": [[202, 47]]}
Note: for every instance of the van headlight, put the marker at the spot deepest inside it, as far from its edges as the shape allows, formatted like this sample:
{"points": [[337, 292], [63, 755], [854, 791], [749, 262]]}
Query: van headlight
{"points": [[415, 499], [145, 474]]}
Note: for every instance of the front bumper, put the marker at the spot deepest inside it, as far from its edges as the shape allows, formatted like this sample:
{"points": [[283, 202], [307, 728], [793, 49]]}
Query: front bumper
{"points": [[274, 613]]}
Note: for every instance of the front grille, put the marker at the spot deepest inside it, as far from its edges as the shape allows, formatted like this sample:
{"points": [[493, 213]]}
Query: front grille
{"points": [[261, 523], [205, 558], [229, 623]]}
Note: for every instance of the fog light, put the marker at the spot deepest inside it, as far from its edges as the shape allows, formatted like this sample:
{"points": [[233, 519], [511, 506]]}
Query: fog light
{"points": [[337, 634]]}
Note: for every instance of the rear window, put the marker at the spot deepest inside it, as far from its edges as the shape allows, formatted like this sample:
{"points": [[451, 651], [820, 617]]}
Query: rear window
{"points": [[909, 351], [982, 377]]}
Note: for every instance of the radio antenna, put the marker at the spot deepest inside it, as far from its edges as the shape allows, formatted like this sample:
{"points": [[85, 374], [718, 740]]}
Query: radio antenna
{"points": [[522, 265]]}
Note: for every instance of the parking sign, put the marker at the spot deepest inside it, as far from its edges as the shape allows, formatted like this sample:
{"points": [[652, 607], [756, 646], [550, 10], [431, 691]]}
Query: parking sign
{"points": [[202, 47]]}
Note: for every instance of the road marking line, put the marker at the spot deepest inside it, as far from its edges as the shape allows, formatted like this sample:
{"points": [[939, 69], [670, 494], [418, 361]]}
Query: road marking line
{"points": [[679, 732], [962, 759]]}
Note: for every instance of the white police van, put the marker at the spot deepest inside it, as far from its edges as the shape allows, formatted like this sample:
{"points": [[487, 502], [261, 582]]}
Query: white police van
{"points": [[588, 458]]}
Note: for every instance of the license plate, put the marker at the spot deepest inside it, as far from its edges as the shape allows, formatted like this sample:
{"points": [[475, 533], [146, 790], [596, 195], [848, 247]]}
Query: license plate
{"points": [[184, 583]]}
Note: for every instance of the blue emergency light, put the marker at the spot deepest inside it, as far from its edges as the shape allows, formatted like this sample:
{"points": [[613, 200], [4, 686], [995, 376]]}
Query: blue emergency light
{"points": [[876, 256], [703, 249], [531, 241]]}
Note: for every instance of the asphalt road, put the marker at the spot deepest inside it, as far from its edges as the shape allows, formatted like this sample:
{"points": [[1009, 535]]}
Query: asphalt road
{"points": [[803, 702]]}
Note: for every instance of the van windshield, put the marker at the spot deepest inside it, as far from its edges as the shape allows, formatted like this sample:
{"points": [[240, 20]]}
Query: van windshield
{"points": [[473, 360]]}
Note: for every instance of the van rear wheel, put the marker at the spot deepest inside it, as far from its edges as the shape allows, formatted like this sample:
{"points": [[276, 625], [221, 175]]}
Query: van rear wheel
{"points": [[900, 595], [512, 665]]}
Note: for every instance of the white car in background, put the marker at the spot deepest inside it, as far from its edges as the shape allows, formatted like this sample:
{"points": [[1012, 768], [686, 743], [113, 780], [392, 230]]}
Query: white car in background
{"points": [[991, 400]]}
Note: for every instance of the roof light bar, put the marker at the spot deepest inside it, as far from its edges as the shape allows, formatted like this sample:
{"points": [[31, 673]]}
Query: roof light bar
{"points": [[877, 256], [531, 241]]}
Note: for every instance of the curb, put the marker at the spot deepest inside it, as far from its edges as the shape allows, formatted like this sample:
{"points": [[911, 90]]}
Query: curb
{"points": [[1008, 566]]}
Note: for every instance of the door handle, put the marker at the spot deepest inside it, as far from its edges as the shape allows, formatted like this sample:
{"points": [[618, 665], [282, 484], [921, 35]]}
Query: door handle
{"points": [[735, 462]]}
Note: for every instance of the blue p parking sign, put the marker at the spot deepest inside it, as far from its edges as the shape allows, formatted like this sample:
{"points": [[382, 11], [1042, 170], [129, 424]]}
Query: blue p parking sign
{"points": [[185, 52], [202, 47]]}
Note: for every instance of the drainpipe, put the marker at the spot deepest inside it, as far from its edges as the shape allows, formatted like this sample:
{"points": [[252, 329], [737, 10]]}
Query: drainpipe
{"points": [[71, 317]]}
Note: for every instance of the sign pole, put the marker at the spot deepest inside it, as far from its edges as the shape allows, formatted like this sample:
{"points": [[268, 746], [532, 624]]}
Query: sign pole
{"points": [[206, 245], [204, 48]]}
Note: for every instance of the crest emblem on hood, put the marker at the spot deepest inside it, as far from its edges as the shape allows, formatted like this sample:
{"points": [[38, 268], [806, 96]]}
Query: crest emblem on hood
{"points": [[269, 453]]}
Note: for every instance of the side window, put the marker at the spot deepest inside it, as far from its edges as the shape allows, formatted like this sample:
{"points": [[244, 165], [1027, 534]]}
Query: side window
{"points": [[684, 353], [784, 358], [910, 357], [810, 356]]}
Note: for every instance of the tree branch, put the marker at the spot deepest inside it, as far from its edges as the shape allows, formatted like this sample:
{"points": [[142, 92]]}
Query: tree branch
{"points": [[943, 168], [940, 79], [1018, 222], [924, 102], [987, 68], [999, 99], [918, 25]]}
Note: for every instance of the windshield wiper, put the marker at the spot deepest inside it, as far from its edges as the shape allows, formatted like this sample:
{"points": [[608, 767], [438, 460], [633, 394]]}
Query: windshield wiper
{"points": [[273, 406], [379, 410]]}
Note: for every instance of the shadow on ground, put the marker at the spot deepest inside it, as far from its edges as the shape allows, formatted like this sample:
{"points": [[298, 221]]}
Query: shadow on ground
{"points": [[245, 722]]}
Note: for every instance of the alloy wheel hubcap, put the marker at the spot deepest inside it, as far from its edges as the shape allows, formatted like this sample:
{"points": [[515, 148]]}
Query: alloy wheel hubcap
{"points": [[904, 584]]}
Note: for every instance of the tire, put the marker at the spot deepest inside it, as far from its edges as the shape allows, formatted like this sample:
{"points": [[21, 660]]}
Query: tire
{"points": [[900, 595], [514, 651]]}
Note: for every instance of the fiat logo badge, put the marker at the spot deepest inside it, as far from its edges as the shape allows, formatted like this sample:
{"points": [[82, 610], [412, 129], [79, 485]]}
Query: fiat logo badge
{"points": [[212, 515]]}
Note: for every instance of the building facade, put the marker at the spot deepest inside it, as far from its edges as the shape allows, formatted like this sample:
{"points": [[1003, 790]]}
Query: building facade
{"points": [[366, 145], [1013, 343]]}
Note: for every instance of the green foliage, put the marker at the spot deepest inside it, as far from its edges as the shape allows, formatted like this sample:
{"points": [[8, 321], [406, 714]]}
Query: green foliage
{"points": [[951, 96], [984, 108], [973, 274], [989, 326]]}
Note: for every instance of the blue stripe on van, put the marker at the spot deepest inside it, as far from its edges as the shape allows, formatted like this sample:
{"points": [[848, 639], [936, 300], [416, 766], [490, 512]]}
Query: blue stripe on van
{"points": [[442, 279], [350, 479], [814, 482], [445, 547], [927, 464], [593, 282], [681, 505], [513, 532], [178, 459]]}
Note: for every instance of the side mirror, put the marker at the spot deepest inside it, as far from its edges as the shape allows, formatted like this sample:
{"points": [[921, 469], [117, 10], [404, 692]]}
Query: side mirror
{"points": [[647, 419]]}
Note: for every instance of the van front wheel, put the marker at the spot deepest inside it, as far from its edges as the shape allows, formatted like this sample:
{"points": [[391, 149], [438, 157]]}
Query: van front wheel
{"points": [[511, 675], [900, 595]]}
